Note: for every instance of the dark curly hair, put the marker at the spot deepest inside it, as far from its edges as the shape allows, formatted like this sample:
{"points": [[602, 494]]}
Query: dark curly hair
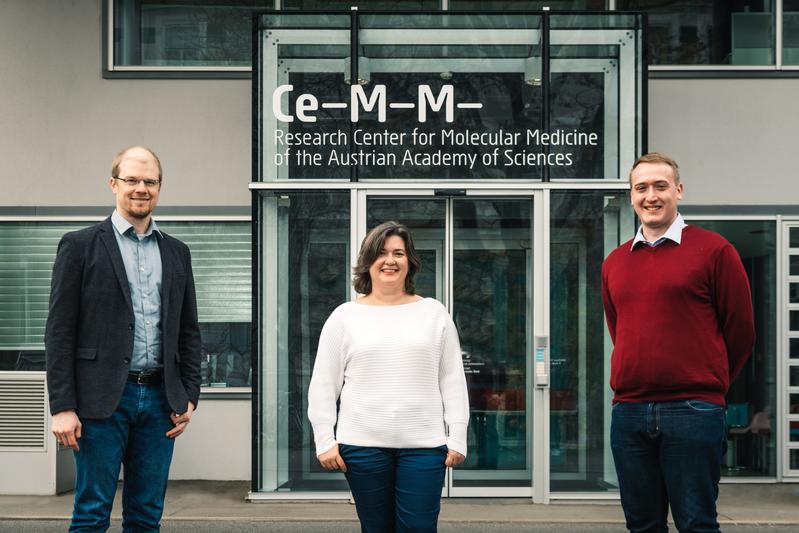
{"points": [[370, 249]]}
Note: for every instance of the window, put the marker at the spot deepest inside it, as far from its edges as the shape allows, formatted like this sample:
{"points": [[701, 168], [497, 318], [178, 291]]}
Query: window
{"points": [[221, 262], [790, 32], [185, 33], [791, 365], [752, 398]]}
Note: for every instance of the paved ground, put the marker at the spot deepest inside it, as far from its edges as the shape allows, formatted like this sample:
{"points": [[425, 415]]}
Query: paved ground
{"points": [[59, 526], [208, 506]]}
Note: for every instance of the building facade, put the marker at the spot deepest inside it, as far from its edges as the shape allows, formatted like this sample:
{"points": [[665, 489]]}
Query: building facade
{"points": [[513, 250]]}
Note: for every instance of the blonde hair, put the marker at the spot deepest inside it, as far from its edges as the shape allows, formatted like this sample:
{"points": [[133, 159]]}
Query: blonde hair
{"points": [[657, 157], [121, 155]]}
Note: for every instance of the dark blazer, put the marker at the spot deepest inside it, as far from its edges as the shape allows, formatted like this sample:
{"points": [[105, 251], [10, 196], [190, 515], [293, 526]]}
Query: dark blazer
{"points": [[89, 334]]}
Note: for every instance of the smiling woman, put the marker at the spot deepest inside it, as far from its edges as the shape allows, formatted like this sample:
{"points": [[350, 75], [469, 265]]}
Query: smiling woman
{"points": [[392, 360]]}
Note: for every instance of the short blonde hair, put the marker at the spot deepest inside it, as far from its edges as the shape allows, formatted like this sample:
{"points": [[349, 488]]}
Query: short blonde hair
{"points": [[121, 155], [657, 157]]}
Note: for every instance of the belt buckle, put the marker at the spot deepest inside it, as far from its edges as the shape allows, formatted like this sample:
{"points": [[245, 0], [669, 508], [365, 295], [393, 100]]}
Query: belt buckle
{"points": [[139, 378]]}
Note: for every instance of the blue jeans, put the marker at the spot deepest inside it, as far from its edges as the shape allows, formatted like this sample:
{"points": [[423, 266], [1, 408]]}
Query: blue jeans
{"points": [[396, 489], [134, 436], [669, 453]]}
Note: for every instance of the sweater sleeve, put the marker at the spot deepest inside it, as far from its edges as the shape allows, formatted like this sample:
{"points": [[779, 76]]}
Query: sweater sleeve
{"points": [[607, 302], [454, 394], [733, 299], [326, 382]]}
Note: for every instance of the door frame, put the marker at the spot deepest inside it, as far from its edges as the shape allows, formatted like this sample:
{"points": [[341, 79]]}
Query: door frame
{"points": [[538, 325]]}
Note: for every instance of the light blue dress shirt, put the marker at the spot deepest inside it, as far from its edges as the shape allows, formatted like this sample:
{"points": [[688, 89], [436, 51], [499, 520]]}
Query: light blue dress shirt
{"points": [[142, 259], [674, 233]]}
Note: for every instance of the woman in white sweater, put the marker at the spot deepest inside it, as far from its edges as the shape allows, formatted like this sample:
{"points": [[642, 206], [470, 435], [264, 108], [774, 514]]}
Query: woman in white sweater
{"points": [[393, 359]]}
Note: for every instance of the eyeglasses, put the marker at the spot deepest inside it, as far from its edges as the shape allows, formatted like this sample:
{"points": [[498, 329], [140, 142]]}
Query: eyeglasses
{"points": [[134, 182]]}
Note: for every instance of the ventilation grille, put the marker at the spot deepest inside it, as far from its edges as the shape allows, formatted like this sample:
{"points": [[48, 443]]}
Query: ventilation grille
{"points": [[22, 413]]}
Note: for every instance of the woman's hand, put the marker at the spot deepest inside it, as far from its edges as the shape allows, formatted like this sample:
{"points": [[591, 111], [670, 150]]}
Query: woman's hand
{"points": [[454, 458], [331, 460]]}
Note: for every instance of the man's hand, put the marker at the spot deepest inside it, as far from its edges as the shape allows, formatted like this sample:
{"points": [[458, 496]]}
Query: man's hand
{"points": [[331, 460], [454, 458], [180, 421], [67, 429]]}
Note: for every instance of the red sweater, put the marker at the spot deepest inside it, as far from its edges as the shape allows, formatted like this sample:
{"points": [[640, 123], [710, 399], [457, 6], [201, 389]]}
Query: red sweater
{"points": [[680, 317]]}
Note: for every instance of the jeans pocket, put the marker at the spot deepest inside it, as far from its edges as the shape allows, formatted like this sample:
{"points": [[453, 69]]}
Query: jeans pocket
{"points": [[703, 407]]}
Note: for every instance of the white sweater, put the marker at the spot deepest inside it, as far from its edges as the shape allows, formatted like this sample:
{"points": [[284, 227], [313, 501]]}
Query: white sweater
{"points": [[398, 373]]}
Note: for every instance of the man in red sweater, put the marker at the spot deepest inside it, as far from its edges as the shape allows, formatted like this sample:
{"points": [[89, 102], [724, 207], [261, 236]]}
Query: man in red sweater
{"points": [[679, 311]]}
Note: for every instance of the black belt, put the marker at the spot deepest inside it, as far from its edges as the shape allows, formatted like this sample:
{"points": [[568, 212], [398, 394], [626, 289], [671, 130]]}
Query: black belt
{"points": [[147, 377]]}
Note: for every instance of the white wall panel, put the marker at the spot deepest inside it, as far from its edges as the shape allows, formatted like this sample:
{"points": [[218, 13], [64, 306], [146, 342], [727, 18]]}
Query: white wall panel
{"points": [[61, 123], [734, 139]]}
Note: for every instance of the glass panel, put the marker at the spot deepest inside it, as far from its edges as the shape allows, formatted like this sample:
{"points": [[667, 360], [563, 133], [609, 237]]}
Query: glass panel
{"points": [[793, 238], [794, 459], [305, 274], [184, 32], [793, 380], [594, 94], [752, 397], [793, 293], [27, 253], [425, 219], [388, 5], [494, 65], [707, 31], [794, 431], [585, 227], [790, 55], [793, 267], [492, 299], [305, 67], [794, 321], [527, 5], [793, 348]]}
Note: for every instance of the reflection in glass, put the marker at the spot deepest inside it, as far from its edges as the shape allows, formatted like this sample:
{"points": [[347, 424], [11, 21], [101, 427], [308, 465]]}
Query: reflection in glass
{"points": [[793, 376], [585, 227], [790, 56], [793, 293], [392, 5], [793, 265], [793, 321], [794, 429], [793, 348], [492, 284], [306, 275], [751, 400], [793, 237], [184, 32], [527, 5], [707, 31]]}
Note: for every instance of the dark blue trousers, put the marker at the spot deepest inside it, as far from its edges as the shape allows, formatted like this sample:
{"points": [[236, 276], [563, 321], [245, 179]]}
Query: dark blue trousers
{"points": [[396, 490], [134, 436], [669, 454]]}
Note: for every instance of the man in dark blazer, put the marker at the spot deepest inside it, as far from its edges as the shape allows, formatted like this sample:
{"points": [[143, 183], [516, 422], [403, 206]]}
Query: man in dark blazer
{"points": [[123, 351]]}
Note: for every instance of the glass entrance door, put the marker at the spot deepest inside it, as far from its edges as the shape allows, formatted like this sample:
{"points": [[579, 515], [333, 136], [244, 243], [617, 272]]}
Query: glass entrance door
{"points": [[477, 259]]}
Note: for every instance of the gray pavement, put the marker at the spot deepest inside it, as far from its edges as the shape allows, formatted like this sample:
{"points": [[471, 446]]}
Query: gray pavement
{"points": [[58, 526], [206, 506]]}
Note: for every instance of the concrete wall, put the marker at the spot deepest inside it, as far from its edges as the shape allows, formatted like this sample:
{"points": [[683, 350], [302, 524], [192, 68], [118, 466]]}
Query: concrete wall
{"points": [[61, 123], [217, 444], [734, 139]]}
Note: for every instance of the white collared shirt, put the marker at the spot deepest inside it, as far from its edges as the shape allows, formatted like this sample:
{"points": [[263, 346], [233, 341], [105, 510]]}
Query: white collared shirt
{"points": [[674, 233]]}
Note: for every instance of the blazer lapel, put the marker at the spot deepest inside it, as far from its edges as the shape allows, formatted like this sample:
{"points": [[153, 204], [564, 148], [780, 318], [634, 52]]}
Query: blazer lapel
{"points": [[167, 270], [111, 245]]}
